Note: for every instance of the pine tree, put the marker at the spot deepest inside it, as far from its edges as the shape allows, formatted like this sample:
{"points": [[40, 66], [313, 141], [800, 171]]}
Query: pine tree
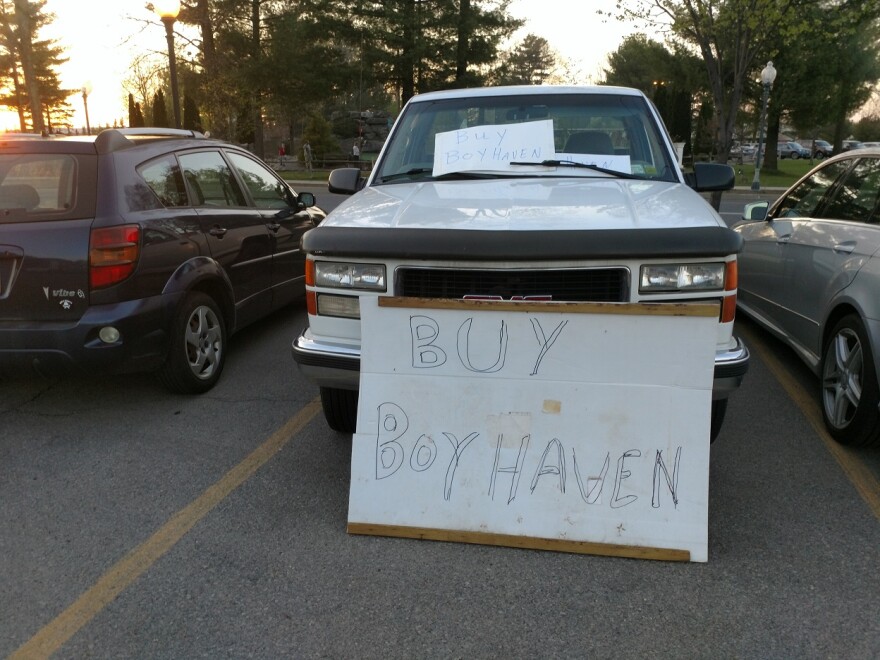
{"points": [[29, 65], [160, 111], [192, 120]]}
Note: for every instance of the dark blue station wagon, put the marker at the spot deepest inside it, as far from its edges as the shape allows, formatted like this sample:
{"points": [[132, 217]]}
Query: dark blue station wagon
{"points": [[141, 250]]}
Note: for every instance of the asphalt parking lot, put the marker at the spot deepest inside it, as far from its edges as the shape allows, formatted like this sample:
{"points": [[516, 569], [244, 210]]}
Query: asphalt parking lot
{"points": [[139, 524]]}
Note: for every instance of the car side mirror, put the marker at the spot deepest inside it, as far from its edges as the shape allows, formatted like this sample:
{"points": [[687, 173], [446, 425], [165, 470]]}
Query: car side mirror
{"points": [[711, 177], [756, 211], [345, 181], [306, 200]]}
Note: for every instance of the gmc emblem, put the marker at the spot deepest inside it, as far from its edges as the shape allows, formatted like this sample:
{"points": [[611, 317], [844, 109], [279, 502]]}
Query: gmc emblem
{"points": [[538, 298]]}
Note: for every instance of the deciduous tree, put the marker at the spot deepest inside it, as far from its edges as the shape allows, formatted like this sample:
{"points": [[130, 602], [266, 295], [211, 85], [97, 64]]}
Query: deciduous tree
{"points": [[728, 35]]}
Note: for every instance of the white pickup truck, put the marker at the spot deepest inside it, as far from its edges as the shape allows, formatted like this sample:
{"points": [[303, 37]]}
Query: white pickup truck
{"points": [[538, 193]]}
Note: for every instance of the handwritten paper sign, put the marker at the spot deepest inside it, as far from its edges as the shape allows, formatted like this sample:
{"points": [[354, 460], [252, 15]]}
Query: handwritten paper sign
{"points": [[573, 427], [493, 147]]}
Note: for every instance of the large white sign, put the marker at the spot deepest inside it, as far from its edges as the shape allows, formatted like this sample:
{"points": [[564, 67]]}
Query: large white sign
{"points": [[576, 427]]}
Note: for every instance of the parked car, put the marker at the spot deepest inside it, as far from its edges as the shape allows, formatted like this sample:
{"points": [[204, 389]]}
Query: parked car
{"points": [[141, 249], [809, 273], [746, 151], [630, 229], [870, 145], [822, 149], [793, 150], [849, 145]]}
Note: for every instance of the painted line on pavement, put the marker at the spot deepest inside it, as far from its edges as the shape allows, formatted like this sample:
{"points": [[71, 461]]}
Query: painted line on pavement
{"points": [[864, 481], [53, 635]]}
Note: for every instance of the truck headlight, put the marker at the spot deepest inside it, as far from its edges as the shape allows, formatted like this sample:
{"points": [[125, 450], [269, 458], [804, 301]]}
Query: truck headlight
{"points": [[681, 277], [340, 275]]}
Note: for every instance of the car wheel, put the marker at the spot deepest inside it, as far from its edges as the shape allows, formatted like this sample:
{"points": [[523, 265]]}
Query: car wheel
{"points": [[340, 408], [198, 347], [849, 385], [719, 408], [795, 155]]}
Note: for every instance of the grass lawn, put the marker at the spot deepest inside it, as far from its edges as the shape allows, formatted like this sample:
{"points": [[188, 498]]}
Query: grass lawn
{"points": [[787, 172], [302, 175]]}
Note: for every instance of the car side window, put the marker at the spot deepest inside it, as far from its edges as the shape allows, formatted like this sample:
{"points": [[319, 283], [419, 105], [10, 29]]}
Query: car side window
{"points": [[265, 188], [209, 180], [165, 180], [804, 200], [857, 197]]}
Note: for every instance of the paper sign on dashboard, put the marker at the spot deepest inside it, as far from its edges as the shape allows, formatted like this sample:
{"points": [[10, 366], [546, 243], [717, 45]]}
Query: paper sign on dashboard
{"points": [[493, 147]]}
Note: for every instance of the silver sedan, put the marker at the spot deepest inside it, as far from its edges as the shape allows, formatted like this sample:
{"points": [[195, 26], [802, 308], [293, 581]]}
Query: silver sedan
{"points": [[809, 273]]}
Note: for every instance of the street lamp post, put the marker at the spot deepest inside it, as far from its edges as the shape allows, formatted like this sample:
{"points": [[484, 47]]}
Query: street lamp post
{"points": [[168, 11], [768, 75], [86, 90]]}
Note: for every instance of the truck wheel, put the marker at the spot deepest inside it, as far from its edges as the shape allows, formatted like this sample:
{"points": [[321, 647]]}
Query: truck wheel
{"points": [[340, 408], [850, 391], [198, 347], [719, 407]]}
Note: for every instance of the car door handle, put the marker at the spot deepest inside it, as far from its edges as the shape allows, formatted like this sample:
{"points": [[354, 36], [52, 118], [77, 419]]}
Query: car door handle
{"points": [[218, 231], [844, 248], [273, 226], [785, 238]]}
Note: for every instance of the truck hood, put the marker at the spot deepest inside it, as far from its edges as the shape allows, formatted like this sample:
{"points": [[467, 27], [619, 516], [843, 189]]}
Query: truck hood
{"points": [[526, 205]]}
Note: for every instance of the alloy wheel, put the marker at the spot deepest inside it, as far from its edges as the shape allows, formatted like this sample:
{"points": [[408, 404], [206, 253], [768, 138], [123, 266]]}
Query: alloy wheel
{"points": [[842, 378], [204, 342]]}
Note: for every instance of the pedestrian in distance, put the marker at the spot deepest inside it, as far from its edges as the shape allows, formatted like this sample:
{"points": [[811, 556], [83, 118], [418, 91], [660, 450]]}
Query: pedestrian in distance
{"points": [[281, 153], [307, 155]]}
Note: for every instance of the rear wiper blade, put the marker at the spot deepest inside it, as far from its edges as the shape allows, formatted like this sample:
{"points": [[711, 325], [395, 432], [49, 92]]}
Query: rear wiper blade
{"points": [[586, 166]]}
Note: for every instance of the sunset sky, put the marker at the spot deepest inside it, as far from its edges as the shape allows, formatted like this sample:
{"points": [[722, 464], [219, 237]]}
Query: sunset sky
{"points": [[103, 36]]}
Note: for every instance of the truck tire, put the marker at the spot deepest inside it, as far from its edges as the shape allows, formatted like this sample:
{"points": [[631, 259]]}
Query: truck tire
{"points": [[340, 408]]}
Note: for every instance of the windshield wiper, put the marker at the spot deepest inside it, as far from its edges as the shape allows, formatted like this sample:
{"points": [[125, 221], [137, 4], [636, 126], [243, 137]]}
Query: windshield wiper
{"points": [[426, 170], [586, 166], [408, 173]]}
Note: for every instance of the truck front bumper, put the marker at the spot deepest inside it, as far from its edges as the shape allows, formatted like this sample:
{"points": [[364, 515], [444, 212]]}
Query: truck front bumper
{"points": [[337, 365]]}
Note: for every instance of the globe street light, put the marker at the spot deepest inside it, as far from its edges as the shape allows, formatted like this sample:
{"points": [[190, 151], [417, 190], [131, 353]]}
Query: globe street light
{"points": [[168, 11], [768, 75]]}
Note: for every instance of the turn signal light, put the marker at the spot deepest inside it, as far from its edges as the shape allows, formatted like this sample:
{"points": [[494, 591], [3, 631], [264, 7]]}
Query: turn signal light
{"points": [[728, 307]]}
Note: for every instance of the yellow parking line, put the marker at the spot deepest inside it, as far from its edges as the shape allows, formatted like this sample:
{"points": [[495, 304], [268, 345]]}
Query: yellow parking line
{"points": [[52, 636], [865, 482]]}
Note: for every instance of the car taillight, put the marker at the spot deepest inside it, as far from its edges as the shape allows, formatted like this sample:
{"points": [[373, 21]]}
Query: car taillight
{"points": [[113, 254]]}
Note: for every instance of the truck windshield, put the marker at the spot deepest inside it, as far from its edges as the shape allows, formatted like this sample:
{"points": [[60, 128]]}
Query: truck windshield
{"points": [[523, 135]]}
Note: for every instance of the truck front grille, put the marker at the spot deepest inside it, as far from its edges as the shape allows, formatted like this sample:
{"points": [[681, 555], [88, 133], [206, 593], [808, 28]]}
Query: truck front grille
{"points": [[562, 285]]}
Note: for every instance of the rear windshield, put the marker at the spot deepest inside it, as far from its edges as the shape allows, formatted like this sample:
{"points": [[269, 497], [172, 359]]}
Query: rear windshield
{"points": [[46, 186]]}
